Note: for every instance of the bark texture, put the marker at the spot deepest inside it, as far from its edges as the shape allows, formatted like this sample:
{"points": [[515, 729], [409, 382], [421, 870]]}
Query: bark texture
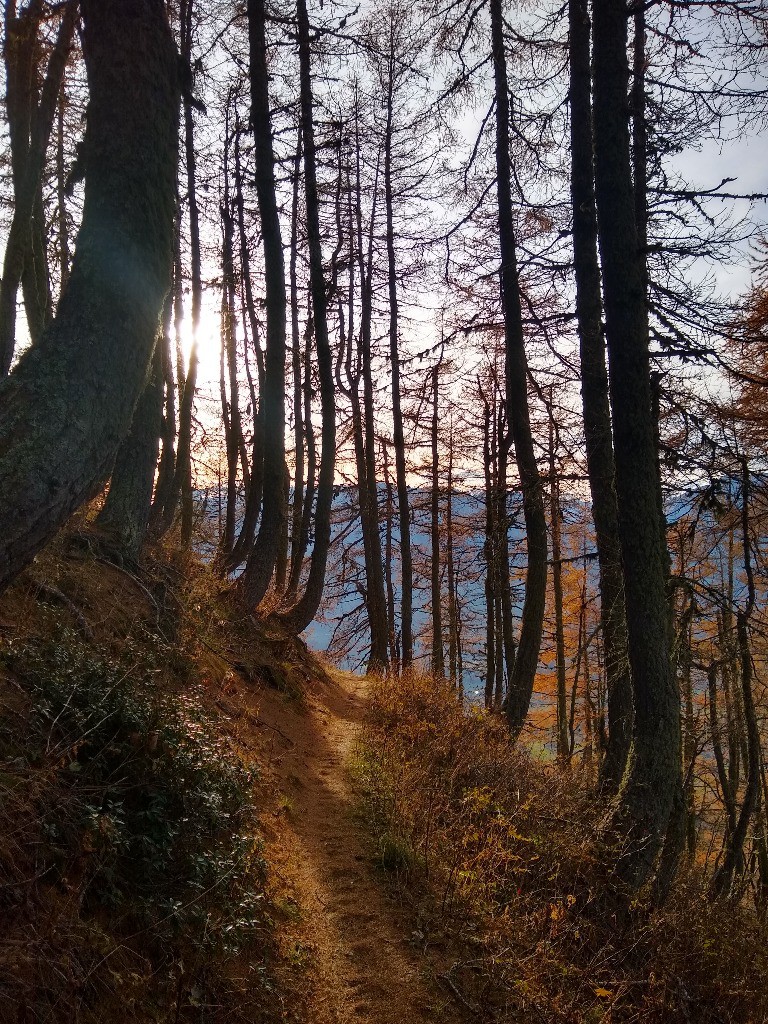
{"points": [[598, 433], [125, 514], [70, 401], [30, 123], [299, 616], [523, 671], [653, 775], [261, 561]]}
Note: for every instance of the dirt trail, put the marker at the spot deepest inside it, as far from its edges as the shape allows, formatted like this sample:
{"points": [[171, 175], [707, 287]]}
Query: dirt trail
{"points": [[347, 940]]}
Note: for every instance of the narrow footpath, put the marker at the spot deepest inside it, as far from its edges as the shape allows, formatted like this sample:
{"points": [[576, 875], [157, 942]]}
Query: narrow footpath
{"points": [[346, 945]]}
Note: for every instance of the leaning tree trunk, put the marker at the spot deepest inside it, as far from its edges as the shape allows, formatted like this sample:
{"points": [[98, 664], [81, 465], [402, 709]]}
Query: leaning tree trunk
{"points": [[518, 416], [299, 616], [594, 393], [69, 403], [125, 515], [261, 561], [653, 776]]}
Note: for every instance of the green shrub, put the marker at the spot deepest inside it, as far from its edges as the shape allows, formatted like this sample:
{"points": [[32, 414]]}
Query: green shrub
{"points": [[140, 805]]}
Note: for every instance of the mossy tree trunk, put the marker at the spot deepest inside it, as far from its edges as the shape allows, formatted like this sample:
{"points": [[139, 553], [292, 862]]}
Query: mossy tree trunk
{"points": [[70, 401]]}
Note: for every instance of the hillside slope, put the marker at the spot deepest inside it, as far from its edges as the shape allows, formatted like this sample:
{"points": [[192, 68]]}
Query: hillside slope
{"points": [[178, 839]]}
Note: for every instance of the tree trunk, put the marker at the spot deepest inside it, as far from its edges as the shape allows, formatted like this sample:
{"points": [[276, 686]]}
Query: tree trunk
{"points": [[125, 514], [523, 672], [454, 644], [734, 850], [347, 347], [233, 428], [247, 535], [726, 793], [61, 192], [169, 487], [261, 561], [186, 405], [563, 745], [70, 401], [301, 614], [394, 649], [595, 405], [165, 473], [281, 563], [490, 560], [653, 777], [398, 437], [311, 449], [378, 611], [438, 661], [30, 125], [296, 363], [502, 579]]}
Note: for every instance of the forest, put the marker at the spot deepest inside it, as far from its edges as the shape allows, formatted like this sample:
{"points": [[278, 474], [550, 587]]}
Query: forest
{"points": [[411, 361]]}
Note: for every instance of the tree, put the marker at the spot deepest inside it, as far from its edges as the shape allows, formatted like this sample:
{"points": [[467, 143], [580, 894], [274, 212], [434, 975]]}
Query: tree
{"points": [[70, 400], [598, 434], [183, 481], [653, 776], [299, 615], [516, 402], [125, 513], [262, 559], [30, 120]]}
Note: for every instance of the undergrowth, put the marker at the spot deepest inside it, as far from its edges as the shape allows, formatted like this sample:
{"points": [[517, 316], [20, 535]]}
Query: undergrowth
{"points": [[132, 884], [497, 854]]}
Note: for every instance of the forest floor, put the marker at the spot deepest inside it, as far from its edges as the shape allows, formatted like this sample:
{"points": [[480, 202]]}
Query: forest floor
{"points": [[348, 950], [202, 821]]}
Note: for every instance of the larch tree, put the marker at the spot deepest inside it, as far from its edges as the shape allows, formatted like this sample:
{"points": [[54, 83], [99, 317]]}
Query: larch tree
{"points": [[31, 110], [523, 672], [653, 776], [70, 401], [299, 615], [598, 435], [261, 561]]}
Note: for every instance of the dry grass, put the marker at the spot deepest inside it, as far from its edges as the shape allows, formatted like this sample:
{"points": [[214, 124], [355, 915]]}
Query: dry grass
{"points": [[498, 854], [132, 885]]}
